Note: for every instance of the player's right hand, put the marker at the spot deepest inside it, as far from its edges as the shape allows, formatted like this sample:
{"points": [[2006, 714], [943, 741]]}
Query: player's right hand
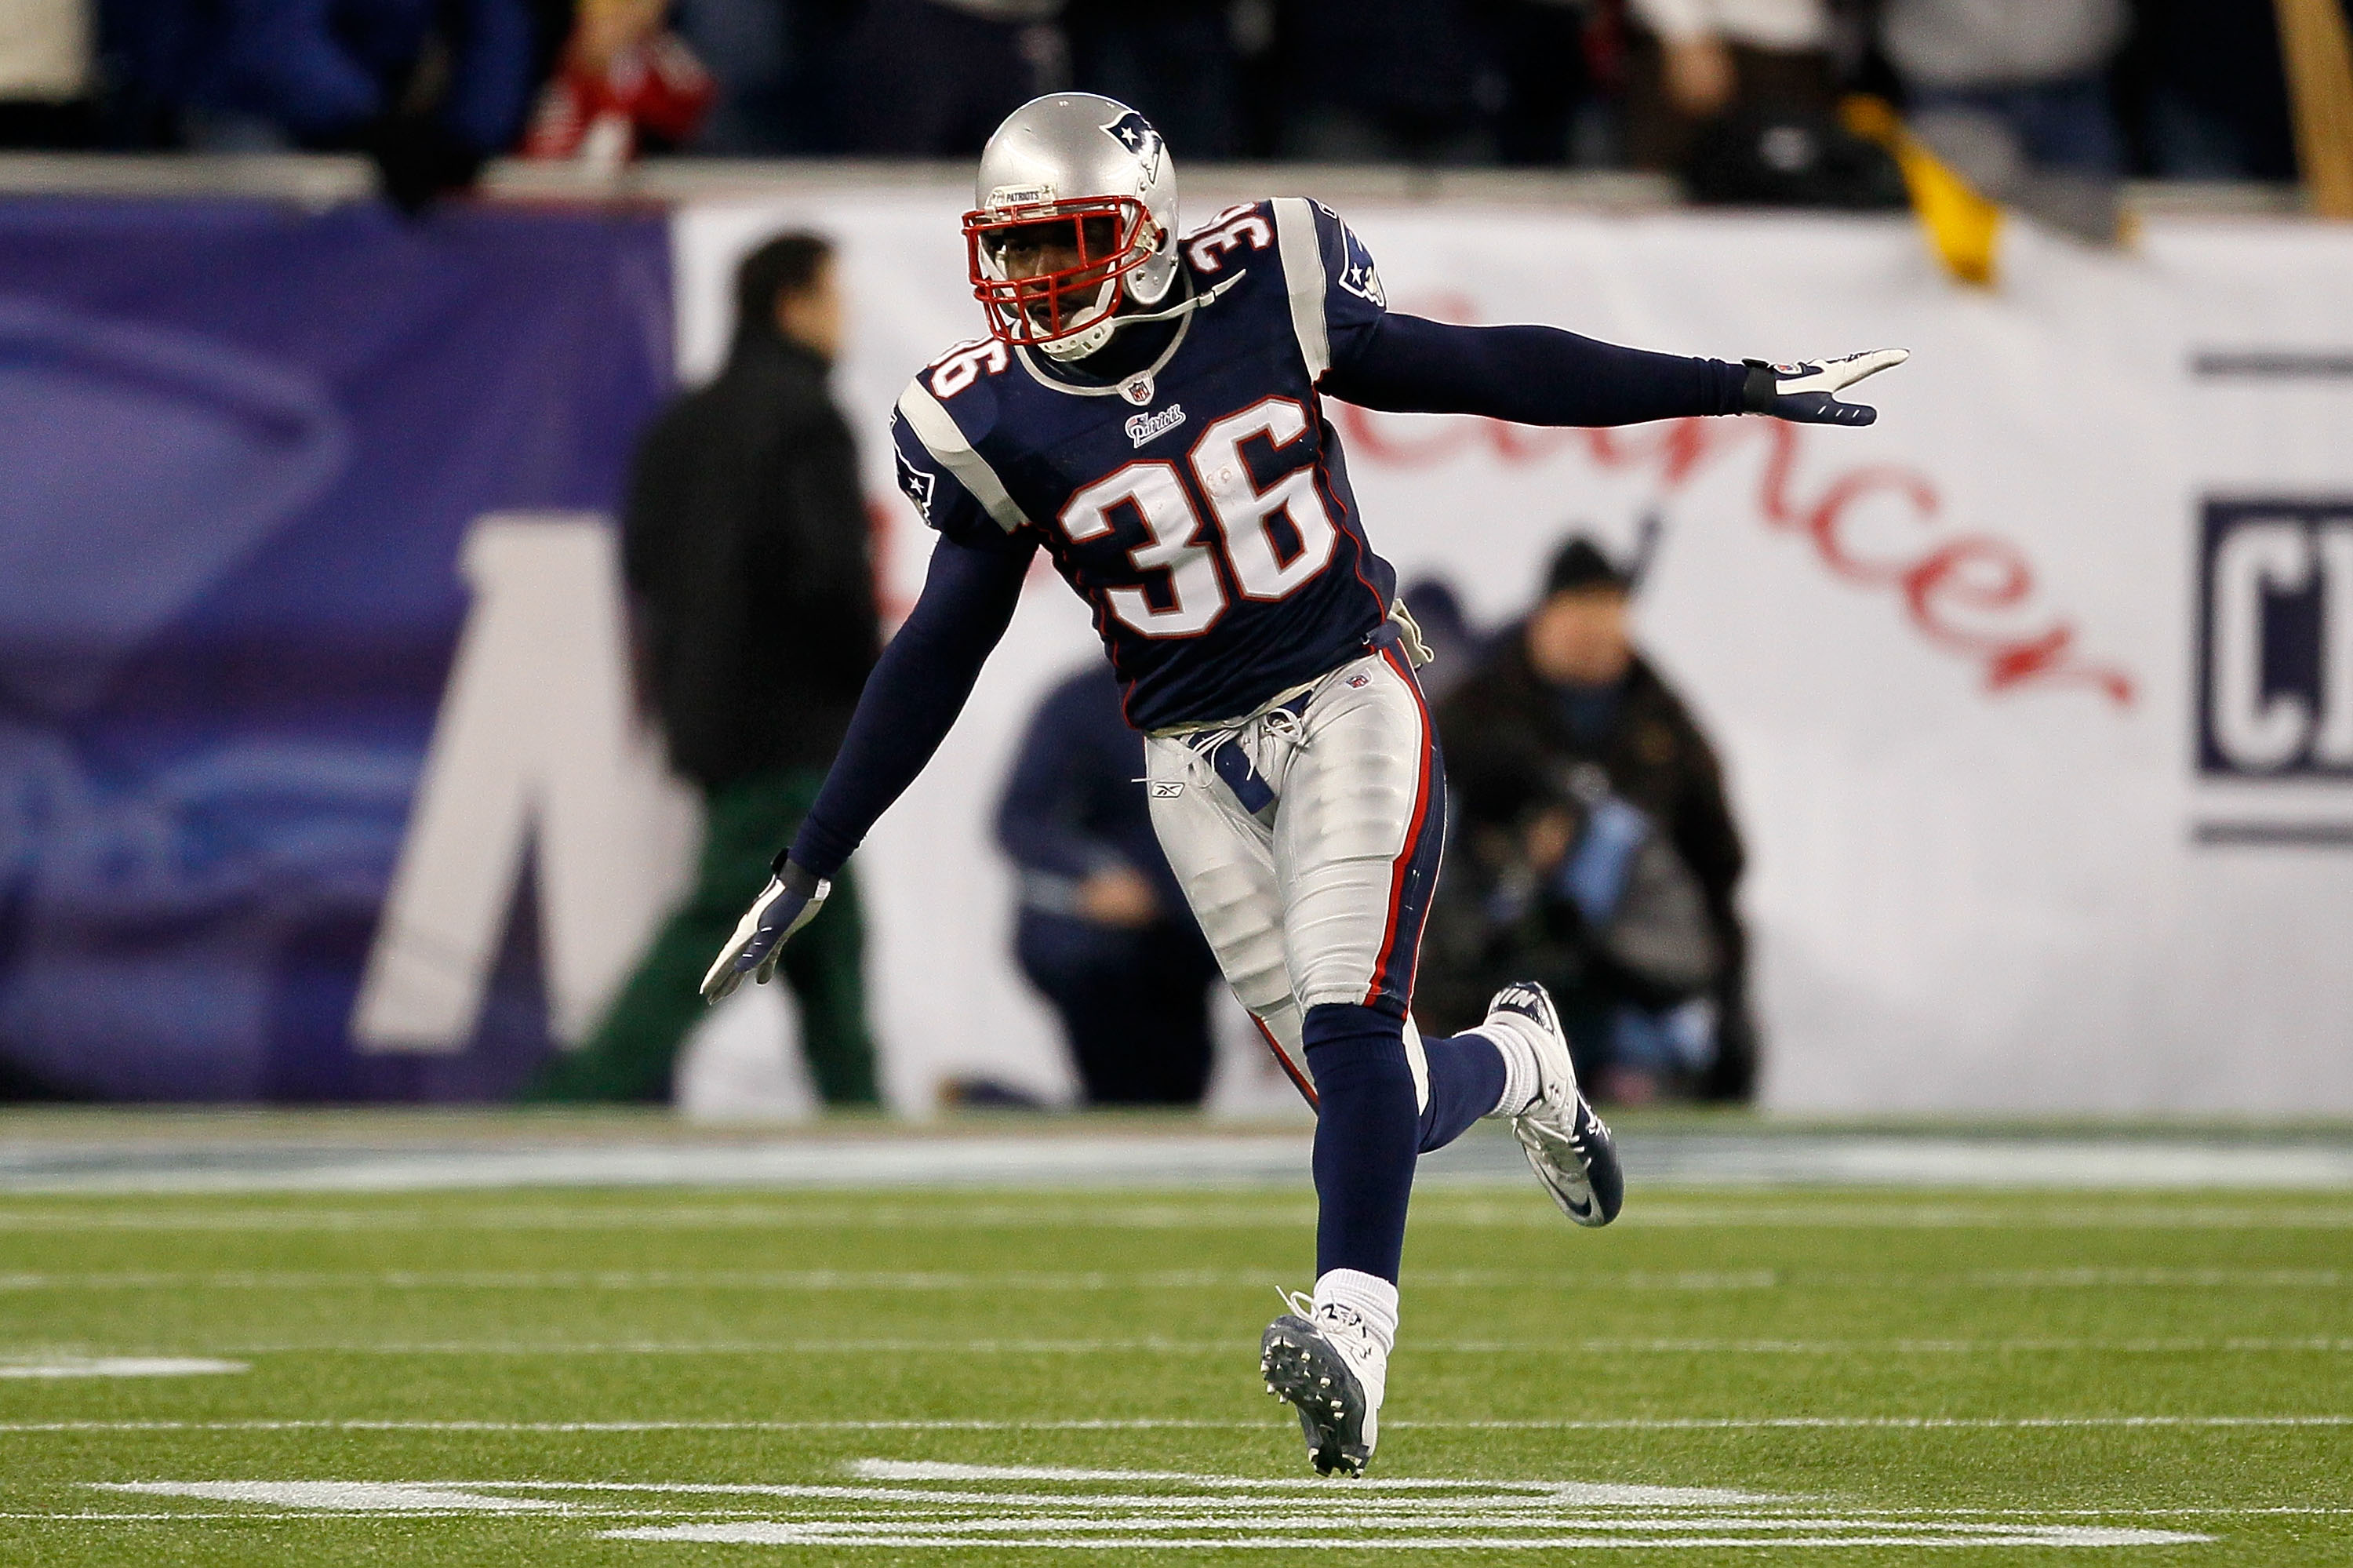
{"points": [[789, 902]]}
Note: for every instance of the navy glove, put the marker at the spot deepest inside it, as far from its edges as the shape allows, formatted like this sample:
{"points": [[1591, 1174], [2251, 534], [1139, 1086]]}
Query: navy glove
{"points": [[1802, 392], [789, 902]]}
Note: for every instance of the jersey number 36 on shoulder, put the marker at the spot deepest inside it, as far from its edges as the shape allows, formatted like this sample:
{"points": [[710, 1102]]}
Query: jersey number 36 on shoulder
{"points": [[1260, 563]]}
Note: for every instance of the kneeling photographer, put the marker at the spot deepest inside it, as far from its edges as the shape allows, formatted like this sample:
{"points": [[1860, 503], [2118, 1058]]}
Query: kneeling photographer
{"points": [[1593, 850]]}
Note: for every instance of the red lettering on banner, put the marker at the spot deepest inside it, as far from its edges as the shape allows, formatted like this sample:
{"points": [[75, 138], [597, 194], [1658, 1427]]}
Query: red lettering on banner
{"points": [[1953, 589], [1822, 524]]}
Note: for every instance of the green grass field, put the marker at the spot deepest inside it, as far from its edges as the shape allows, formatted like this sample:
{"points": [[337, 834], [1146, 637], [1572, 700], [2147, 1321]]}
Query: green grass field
{"points": [[684, 1377]]}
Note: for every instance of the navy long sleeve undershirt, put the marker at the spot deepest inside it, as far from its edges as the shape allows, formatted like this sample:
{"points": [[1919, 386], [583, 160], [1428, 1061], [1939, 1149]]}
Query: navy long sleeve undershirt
{"points": [[912, 697], [1529, 375]]}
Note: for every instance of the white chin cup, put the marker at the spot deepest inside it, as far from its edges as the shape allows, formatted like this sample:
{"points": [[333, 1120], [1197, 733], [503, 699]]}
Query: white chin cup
{"points": [[1086, 340]]}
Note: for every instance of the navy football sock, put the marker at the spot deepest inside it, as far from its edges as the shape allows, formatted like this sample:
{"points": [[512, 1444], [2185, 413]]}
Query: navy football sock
{"points": [[1369, 1133], [1466, 1082], [1366, 1133]]}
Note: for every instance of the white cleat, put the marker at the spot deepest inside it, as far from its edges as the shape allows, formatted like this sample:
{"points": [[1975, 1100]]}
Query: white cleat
{"points": [[1567, 1146], [1326, 1362]]}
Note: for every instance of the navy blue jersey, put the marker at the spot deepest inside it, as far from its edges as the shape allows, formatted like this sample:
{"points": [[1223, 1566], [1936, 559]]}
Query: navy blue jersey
{"points": [[1200, 505]]}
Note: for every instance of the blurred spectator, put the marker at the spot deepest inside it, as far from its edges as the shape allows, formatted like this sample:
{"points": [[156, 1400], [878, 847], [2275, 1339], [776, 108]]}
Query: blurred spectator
{"points": [[1993, 84], [1176, 61], [428, 91], [623, 81], [1384, 82], [745, 544], [1594, 850], [1692, 62], [1104, 933], [47, 73], [1540, 57], [933, 78], [2216, 104], [748, 48]]}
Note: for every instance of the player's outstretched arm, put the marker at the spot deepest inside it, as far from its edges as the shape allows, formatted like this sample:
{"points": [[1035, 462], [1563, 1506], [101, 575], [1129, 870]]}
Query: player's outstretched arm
{"points": [[910, 702], [1543, 375]]}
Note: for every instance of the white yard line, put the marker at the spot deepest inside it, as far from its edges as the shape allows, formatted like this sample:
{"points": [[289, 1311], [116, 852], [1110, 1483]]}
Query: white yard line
{"points": [[116, 1366], [1207, 1510], [1157, 1423], [369, 1497], [1439, 1210], [784, 1534], [826, 1279], [2312, 1346], [1577, 1492], [1871, 1422], [1391, 1495], [1763, 1527], [2163, 1278], [816, 1279]]}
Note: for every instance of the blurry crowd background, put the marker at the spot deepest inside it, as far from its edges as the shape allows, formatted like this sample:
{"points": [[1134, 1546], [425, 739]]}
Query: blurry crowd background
{"points": [[1724, 90]]}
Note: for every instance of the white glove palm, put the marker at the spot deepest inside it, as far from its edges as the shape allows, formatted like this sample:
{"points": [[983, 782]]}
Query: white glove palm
{"points": [[1805, 393], [789, 902]]}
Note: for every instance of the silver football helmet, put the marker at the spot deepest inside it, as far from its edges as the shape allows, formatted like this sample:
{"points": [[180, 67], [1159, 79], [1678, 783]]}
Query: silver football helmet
{"points": [[1076, 212]]}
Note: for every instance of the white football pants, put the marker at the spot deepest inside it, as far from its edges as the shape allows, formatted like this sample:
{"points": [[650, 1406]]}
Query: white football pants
{"points": [[1307, 839]]}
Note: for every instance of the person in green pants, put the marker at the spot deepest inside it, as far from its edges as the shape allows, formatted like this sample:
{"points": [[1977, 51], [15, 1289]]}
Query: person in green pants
{"points": [[745, 547]]}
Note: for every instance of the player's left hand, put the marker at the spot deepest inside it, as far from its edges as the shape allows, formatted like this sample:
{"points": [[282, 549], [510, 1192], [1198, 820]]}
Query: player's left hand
{"points": [[1803, 393], [789, 902]]}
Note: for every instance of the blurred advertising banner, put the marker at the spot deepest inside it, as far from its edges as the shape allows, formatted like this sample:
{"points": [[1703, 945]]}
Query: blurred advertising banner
{"points": [[243, 447], [319, 779], [2037, 697]]}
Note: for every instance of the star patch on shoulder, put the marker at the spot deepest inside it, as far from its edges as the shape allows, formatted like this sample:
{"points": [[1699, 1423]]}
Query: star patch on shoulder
{"points": [[918, 485]]}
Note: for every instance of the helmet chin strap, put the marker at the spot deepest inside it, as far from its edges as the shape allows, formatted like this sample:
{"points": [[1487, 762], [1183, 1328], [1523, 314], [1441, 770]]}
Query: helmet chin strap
{"points": [[1080, 345]]}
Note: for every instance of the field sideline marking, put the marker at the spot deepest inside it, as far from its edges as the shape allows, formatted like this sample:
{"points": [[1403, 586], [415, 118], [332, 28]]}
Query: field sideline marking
{"points": [[1156, 1423], [1197, 1160]]}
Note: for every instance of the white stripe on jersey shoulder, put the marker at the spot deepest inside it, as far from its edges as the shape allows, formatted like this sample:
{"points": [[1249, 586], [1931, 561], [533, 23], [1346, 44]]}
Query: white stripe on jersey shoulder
{"points": [[1302, 251], [937, 430]]}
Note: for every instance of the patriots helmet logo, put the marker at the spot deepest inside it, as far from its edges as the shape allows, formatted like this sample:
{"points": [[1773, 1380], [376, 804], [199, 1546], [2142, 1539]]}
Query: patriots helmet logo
{"points": [[917, 485], [1135, 132]]}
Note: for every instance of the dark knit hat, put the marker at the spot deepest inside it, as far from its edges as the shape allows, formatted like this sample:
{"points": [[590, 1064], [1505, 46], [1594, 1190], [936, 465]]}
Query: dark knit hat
{"points": [[1579, 566]]}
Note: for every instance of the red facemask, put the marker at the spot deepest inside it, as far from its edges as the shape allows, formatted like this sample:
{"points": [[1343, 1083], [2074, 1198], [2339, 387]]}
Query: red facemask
{"points": [[1105, 234]]}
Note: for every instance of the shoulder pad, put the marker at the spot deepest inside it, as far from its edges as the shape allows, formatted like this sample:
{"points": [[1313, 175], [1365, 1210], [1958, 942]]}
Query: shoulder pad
{"points": [[963, 365], [1245, 227]]}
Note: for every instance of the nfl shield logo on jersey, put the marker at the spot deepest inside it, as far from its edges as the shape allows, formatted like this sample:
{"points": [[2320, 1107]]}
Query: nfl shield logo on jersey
{"points": [[1135, 132], [1137, 389]]}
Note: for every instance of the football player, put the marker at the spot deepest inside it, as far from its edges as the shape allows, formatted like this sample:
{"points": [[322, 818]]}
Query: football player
{"points": [[1147, 410]]}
